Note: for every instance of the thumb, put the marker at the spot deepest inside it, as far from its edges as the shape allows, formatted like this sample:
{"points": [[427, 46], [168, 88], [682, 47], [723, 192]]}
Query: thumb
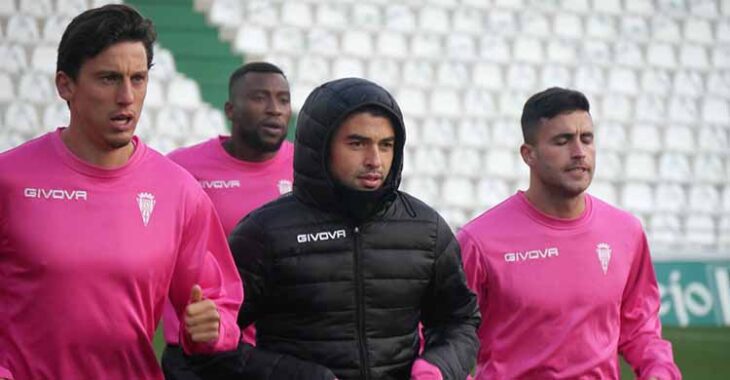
{"points": [[196, 295]]}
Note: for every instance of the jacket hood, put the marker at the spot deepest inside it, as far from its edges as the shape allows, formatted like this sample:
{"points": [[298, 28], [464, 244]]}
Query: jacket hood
{"points": [[322, 113]]}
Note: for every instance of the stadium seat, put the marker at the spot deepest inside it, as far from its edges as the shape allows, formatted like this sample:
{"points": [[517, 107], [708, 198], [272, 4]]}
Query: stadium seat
{"points": [[452, 74], [473, 133], [522, 77], [438, 132], [183, 92], [664, 28], [70, 8], [718, 83], [568, 25], [698, 30], [609, 166], [688, 83], [640, 166], [21, 116], [7, 7], [656, 81], [366, 15], [674, 167], [645, 138], [693, 56], [467, 20], [528, 50], [297, 13], [465, 163], [604, 191], [637, 197], [348, 67], [712, 139], [554, 75], [399, 17], [661, 55], [43, 59], [670, 197], [622, 81], [54, 26], [679, 139], [704, 199], [487, 75], [386, 70], [492, 191], [55, 115], [665, 229], [391, 44], [22, 28], [634, 27], [682, 110], [251, 39], [494, 49], [226, 13], [501, 163], [716, 110], [7, 89], [708, 168], [458, 192], [629, 54], [700, 230], [423, 188], [36, 8], [331, 15], [36, 87]]}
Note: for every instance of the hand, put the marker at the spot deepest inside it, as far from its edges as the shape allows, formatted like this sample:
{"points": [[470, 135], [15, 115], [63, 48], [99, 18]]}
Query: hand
{"points": [[202, 320]]}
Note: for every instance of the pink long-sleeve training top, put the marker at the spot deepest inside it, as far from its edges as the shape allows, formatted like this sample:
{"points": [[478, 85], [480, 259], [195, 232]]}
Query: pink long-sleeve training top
{"points": [[560, 299], [89, 255], [236, 188]]}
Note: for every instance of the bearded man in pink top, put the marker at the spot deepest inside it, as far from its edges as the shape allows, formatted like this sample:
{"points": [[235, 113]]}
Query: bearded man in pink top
{"points": [[564, 280], [239, 172], [97, 229]]}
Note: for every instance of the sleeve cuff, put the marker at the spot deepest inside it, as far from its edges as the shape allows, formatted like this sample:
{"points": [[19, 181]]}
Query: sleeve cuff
{"points": [[6, 374], [423, 370]]}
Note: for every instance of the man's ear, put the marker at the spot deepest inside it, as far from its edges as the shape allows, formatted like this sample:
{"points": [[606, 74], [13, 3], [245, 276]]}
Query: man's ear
{"points": [[228, 110], [527, 152], [65, 86]]}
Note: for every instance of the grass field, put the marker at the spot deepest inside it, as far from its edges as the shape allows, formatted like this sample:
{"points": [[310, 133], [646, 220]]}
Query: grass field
{"points": [[702, 353]]}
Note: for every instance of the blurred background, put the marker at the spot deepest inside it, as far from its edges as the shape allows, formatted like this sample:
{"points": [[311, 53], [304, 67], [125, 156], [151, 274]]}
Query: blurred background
{"points": [[657, 74]]}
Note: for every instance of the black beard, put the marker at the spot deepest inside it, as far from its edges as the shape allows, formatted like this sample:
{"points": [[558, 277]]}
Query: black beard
{"points": [[253, 140]]}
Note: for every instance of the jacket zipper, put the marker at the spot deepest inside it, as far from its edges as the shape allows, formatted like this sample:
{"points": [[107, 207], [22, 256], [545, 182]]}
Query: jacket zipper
{"points": [[360, 300]]}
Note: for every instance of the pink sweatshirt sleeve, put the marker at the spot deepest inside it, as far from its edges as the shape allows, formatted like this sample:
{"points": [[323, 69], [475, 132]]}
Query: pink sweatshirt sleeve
{"points": [[640, 342], [5, 373], [423, 370], [204, 258]]}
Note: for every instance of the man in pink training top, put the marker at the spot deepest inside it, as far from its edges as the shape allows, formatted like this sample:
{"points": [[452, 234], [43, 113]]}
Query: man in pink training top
{"points": [[239, 172], [97, 229], [564, 280]]}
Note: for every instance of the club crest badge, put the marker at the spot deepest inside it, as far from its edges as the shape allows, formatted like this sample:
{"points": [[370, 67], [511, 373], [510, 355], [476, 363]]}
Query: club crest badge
{"points": [[603, 250], [284, 186], [146, 202]]}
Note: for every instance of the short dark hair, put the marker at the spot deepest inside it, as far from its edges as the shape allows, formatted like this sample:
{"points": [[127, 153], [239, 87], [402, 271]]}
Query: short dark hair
{"points": [[96, 29], [251, 67], [548, 104]]}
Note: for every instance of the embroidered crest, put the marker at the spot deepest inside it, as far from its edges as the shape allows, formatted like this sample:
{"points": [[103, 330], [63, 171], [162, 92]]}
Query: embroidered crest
{"points": [[603, 250], [285, 186], [146, 202]]}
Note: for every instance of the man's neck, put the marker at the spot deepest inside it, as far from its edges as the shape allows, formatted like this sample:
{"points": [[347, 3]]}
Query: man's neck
{"points": [[86, 150], [556, 205], [244, 152]]}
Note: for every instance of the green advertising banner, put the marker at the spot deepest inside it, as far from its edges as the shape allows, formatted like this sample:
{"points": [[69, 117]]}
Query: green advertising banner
{"points": [[694, 293]]}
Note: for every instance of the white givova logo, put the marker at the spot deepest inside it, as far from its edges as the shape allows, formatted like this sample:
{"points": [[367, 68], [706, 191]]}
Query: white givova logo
{"points": [[58, 194], [146, 202], [220, 184], [284, 186], [321, 236], [534, 254], [603, 250]]}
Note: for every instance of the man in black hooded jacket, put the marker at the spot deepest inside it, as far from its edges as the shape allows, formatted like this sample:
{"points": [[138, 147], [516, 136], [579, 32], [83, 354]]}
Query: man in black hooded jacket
{"points": [[339, 273]]}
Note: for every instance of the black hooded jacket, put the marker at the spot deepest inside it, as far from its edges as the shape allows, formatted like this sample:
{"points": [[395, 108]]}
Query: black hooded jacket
{"points": [[331, 293]]}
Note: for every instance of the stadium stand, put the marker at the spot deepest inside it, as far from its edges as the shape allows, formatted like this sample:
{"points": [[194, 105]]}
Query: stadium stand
{"points": [[657, 74]]}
